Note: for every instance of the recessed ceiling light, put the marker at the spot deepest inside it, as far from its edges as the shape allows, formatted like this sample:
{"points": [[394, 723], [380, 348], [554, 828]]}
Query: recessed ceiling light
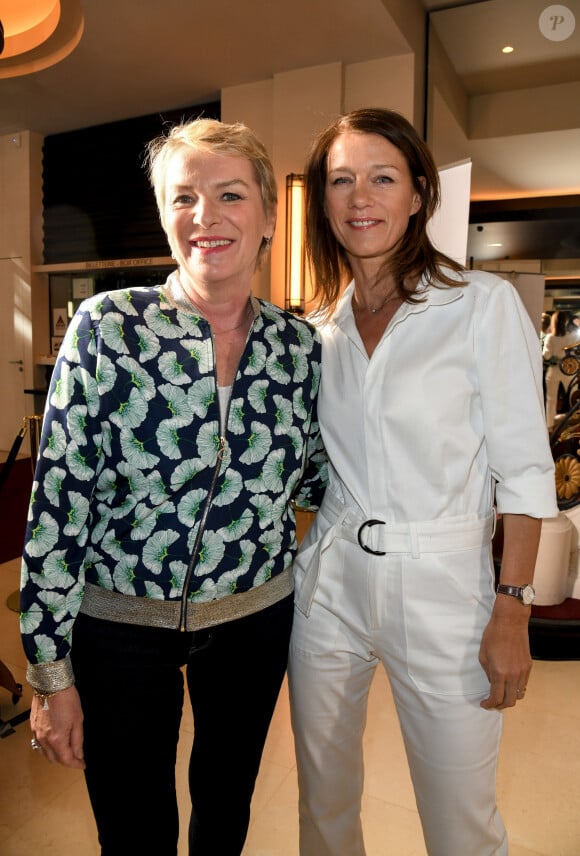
{"points": [[495, 245], [507, 49]]}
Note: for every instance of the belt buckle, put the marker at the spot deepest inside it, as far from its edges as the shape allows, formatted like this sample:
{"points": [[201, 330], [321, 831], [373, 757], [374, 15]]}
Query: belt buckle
{"points": [[361, 529]]}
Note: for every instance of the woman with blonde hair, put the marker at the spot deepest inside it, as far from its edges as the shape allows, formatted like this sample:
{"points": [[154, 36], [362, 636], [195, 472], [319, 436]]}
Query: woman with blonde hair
{"points": [[180, 424]]}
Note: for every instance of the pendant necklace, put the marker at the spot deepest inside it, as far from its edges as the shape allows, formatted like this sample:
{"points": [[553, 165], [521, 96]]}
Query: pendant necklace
{"points": [[392, 295]]}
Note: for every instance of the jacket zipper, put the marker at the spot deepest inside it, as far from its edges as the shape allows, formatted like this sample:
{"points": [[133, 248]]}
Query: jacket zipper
{"points": [[183, 611], [222, 448]]}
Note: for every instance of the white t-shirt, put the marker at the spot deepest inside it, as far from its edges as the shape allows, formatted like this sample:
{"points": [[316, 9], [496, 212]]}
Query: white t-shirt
{"points": [[224, 393]]}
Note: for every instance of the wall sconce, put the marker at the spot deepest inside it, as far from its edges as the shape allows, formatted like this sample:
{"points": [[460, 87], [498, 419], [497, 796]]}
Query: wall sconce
{"points": [[294, 291]]}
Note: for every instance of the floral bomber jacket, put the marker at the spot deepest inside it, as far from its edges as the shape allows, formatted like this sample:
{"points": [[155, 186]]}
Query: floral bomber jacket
{"points": [[137, 490]]}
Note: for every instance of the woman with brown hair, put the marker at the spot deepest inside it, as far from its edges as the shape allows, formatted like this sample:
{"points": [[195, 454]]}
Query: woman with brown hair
{"points": [[431, 413]]}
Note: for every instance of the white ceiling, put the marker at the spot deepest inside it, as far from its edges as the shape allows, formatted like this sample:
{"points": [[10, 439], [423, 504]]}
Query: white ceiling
{"points": [[543, 158], [136, 58], [515, 163], [474, 34], [141, 57]]}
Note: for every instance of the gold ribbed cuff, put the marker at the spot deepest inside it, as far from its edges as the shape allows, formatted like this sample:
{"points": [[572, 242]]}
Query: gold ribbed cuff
{"points": [[49, 678]]}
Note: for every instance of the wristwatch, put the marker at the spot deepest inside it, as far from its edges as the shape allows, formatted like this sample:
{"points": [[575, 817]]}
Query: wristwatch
{"points": [[526, 594]]}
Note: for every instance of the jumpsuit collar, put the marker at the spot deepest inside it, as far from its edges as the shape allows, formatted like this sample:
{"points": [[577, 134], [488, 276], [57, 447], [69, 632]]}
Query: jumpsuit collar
{"points": [[343, 316]]}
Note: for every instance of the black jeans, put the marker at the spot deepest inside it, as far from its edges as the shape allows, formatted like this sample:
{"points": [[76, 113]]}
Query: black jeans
{"points": [[131, 687]]}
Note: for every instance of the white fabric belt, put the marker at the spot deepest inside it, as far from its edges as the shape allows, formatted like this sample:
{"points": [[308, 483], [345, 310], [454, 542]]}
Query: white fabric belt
{"points": [[444, 535], [376, 537]]}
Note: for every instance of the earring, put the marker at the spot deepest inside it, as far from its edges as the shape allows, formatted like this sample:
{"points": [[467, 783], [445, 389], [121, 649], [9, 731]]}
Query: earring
{"points": [[267, 242]]}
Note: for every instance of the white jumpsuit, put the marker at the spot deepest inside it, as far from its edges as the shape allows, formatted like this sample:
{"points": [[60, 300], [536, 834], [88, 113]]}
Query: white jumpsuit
{"points": [[442, 421]]}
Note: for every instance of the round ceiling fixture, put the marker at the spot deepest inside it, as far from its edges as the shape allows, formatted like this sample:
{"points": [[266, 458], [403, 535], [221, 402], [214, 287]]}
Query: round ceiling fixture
{"points": [[38, 34]]}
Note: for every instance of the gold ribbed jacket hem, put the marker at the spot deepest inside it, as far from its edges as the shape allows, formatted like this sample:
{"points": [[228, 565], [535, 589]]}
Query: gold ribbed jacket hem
{"points": [[148, 612]]}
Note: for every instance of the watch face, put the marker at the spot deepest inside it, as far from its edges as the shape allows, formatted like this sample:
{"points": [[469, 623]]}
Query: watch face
{"points": [[528, 595]]}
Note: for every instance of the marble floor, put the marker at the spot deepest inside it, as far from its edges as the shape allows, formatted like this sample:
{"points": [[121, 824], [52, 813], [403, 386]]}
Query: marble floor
{"points": [[44, 809]]}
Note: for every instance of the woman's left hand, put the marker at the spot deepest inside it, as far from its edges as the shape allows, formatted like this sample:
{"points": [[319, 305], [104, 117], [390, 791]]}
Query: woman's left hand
{"points": [[505, 654], [505, 647], [57, 727]]}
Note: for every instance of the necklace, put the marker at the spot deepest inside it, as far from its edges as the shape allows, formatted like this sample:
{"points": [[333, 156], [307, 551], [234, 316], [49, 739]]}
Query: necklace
{"points": [[237, 326], [392, 295]]}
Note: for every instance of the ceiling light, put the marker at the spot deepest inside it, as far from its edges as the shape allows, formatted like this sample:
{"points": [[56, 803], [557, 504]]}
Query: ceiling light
{"points": [[38, 34], [28, 24], [507, 49], [495, 245]]}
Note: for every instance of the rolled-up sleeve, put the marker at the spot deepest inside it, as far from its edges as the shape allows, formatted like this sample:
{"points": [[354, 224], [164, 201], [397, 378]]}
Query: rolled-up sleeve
{"points": [[509, 365]]}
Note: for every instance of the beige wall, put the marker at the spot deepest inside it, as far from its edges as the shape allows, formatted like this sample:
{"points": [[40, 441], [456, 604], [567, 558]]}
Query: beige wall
{"points": [[525, 111], [446, 92], [23, 299], [411, 19], [387, 82], [21, 220]]}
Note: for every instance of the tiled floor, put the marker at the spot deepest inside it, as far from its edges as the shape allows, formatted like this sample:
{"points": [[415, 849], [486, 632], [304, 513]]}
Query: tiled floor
{"points": [[44, 809]]}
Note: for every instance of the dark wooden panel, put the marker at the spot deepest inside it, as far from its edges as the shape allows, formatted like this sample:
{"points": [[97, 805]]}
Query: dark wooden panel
{"points": [[97, 200]]}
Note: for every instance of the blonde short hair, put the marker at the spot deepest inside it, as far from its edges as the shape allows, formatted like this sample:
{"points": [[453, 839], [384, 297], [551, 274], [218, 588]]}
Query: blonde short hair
{"points": [[210, 135]]}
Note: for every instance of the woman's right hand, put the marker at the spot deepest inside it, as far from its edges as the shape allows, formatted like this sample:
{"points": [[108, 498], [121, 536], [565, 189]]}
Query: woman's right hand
{"points": [[57, 726]]}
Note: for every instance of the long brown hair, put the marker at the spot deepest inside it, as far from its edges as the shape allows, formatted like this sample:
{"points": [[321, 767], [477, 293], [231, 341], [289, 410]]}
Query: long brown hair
{"points": [[561, 322], [415, 254]]}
